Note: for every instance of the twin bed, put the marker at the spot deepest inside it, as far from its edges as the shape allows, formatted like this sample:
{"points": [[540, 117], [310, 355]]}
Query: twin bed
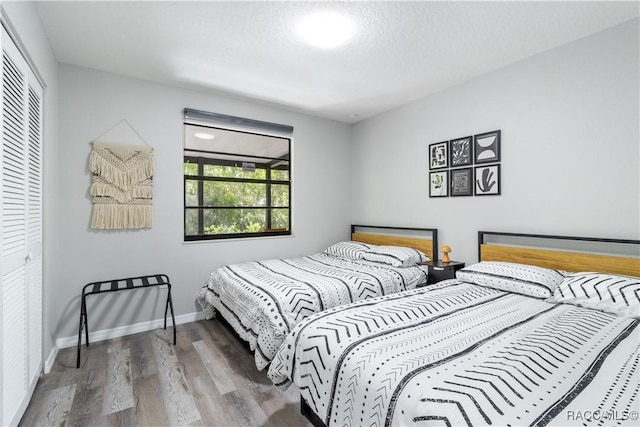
{"points": [[524, 337], [263, 300]]}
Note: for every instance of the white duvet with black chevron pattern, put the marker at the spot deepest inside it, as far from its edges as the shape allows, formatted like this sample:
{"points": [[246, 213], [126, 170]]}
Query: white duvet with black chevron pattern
{"points": [[263, 300], [462, 354]]}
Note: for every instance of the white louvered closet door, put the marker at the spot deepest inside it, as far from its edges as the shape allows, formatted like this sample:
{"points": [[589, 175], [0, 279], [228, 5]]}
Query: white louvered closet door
{"points": [[21, 233]]}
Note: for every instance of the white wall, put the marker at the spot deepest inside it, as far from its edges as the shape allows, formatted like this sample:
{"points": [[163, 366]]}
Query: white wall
{"points": [[570, 148], [91, 102], [24, 21]]}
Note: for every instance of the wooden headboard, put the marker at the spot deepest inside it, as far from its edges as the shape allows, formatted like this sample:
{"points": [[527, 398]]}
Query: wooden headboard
{"points": [[424, 239], [614, 256]]}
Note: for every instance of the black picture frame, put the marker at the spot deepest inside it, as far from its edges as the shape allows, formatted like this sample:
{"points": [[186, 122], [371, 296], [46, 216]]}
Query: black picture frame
{"points": [[439, 155], [487, 180], [461, 152], [461, 182], [486, 147], [441, 188]]}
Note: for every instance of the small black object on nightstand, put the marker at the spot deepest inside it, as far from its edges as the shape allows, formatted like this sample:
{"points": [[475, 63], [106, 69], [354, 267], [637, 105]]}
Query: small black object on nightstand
{"points": [[439, 270]]}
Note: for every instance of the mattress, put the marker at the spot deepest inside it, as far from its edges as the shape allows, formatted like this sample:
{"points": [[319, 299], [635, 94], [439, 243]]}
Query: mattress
{"points": [[264, 300], [462, 354]]}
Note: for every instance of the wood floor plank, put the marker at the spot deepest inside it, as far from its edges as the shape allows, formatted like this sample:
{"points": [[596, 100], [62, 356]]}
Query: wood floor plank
{"points": [[150, 407], [191, 364], [250, 412], [216, 366], [86, 408], [53, 409], [193, 331], [143, 363], [61, 373], [283, 409], [181, 409], [124, 418], [87, 403], [118, 394], [233, 356], [212, 407]]}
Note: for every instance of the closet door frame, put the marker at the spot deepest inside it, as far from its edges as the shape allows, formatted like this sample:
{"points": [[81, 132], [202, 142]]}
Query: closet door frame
{"points": [[21, 264]]}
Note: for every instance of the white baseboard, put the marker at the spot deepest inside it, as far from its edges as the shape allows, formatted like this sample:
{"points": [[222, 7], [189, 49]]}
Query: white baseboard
{"points": [[48, 364], [120, 331]]}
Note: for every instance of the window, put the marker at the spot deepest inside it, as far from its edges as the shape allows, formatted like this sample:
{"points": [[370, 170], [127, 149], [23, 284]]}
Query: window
{"points": [[237, 177]]}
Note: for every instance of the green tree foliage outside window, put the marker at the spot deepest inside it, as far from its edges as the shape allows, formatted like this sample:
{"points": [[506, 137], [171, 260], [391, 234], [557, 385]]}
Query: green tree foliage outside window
{"points": [[223, 198]]}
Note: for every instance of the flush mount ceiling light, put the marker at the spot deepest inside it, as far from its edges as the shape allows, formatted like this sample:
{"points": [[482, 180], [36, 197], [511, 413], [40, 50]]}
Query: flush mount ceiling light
{"points": [[326, 29], [203, 135]]}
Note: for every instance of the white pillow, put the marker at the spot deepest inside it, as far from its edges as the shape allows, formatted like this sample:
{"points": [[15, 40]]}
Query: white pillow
{"points": [[605, 292], [397, 256], [537, 282], [350, 249]]}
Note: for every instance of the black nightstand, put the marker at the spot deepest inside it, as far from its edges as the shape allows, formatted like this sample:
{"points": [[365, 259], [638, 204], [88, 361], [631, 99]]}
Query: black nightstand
{"points": [[439, 270]]}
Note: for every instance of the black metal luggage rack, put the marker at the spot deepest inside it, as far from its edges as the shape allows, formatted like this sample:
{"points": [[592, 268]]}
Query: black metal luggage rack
{"points": [[122, 285]]}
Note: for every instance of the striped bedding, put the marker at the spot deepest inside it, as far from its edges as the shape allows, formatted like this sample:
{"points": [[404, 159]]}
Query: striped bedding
{"points": [[462, 354], [263, 300]]}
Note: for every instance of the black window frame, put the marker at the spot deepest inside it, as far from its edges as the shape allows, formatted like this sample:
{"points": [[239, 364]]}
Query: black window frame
{"points": [[201, 178]]}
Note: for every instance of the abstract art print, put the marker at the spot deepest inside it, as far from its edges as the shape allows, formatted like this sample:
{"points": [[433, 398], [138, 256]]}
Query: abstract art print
{"points": [[462, 182], [439, 184], [487, 180], [487, 147], [438, 155], [460, 152]]}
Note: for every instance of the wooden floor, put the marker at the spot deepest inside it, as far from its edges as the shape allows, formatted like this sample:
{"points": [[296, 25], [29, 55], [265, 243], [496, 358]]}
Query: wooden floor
{"points": [[207, 379]]}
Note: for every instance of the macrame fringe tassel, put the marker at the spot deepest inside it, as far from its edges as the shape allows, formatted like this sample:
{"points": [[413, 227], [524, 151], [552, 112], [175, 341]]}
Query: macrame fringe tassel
{"points": [[121, 179], [112, 217], [100, 189]]}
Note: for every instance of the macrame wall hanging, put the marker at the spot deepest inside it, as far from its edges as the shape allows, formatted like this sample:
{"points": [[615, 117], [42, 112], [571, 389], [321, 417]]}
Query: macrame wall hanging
{"points": [[121, 188]]}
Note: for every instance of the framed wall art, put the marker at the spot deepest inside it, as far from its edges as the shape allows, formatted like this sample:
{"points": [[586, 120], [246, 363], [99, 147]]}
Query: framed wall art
{"points": [[461, 182], [487, 180], [466, 166], [460, 151], [439, 184], [439, 155], [486, 147]]}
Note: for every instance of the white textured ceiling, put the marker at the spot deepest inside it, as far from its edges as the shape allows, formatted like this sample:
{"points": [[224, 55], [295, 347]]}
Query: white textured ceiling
{"points": [[401, 51]]}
